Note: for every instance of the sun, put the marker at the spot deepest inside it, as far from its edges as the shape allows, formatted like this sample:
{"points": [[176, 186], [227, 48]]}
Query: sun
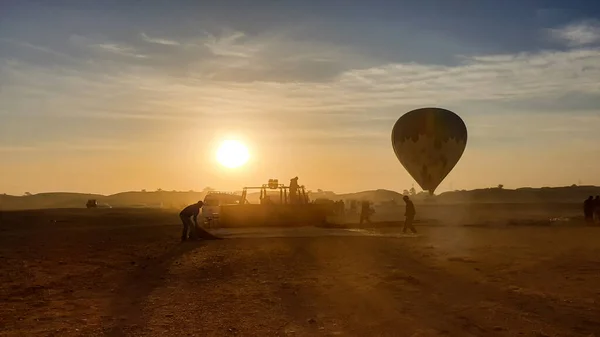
{"points": [[232, 154]]}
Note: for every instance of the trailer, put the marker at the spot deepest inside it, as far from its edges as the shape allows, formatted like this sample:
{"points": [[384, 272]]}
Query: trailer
{"points": [[278, 206]]}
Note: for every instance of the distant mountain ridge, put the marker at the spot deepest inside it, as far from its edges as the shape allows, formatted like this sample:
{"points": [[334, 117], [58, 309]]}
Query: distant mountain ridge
{"points": [[175, 199]]}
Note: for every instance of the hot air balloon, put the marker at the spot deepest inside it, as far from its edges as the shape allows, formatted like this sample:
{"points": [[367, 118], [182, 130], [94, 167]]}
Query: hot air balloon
{"points": [[428, 142]]}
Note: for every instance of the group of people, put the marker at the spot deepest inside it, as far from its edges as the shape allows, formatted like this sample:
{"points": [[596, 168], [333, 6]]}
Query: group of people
{"points": [[591, 209], [193, 231], [409, 214]]}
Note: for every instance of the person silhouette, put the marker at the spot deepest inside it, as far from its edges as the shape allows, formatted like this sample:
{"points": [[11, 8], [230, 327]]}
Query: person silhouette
{"points": [[588, 209], [294, 190], [365, 212], [409, 215], [597, 208], [195, 231]]}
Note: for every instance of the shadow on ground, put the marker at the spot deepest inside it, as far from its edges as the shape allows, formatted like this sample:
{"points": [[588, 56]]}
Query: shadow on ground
{"points": [[126, 311]]}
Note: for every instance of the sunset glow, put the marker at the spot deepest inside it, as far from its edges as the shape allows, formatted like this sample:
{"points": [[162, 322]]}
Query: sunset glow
{"points": [[312, 90], [232, 154]]}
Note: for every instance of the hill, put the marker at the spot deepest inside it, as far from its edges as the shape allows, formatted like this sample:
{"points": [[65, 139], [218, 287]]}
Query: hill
{"points": [[158, 199], [570, 194], [175, 199]]}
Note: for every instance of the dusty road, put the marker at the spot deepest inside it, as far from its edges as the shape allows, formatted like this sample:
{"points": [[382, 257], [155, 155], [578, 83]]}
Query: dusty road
{"points": [[116, 274]]}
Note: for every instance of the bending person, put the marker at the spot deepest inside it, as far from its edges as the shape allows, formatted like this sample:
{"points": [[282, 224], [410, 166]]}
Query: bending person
{"points": [[195, 231]]}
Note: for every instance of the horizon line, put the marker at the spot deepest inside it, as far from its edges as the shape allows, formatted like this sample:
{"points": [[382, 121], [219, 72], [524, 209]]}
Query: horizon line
{"points": [[27, 194]]}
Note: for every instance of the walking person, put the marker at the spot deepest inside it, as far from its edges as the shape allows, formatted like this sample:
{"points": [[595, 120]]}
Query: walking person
{"points": [[409, 215]]}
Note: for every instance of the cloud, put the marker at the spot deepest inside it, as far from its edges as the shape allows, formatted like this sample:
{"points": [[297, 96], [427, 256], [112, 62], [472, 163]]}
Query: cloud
{"points": [[11, 149], [277, 57], [482, 78], [230, 44], [79, 144], [578, 34], [42, 49], [230, 56], [118, 49], [536, 128], [101, 45], [159, 40], [355, 87], [86, 145]]}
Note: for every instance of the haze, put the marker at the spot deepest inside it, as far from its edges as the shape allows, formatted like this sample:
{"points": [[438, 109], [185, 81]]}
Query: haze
{"points": [[106, 96]]}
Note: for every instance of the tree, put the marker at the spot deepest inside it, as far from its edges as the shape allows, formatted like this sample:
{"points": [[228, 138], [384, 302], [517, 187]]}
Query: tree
{"points": [[500, 186], [208, 189], [159, 190], [413, 192], [27, 194], [144, 191]]}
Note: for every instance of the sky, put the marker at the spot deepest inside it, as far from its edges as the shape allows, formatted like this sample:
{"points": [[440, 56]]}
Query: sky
{"points": [[109, 96]]}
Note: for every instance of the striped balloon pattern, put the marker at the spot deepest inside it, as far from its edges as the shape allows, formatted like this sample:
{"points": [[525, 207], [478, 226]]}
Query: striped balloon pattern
{"points": [[429, 142]]}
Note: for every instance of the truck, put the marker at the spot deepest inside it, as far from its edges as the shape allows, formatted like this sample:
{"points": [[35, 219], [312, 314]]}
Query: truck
{"points": [[278, 205]]}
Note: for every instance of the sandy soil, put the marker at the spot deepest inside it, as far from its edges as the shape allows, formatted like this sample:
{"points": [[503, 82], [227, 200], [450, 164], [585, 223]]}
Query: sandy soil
{"points": [[124, 273]]}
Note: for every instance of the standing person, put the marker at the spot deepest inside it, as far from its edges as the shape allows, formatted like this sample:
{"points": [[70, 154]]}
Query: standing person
{"points": [[353, 207], [195, 232], [294, 190], [365, 212], [597, 207], [588, 209], [409, 215]]}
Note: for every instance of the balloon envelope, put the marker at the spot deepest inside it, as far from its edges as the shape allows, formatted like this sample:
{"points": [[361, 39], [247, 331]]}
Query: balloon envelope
{"points": [[428, 142]]}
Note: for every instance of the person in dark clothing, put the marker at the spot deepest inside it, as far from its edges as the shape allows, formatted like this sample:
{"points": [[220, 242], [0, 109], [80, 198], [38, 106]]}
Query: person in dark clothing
{"points": [[365, 212], [294, 190], [588, 209], [188, 214], [353, 207], [597, 208], [341, 208], [409, 215]]}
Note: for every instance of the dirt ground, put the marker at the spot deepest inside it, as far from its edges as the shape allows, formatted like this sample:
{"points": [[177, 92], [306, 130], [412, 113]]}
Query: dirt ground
{"points": [[124, 273]]}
